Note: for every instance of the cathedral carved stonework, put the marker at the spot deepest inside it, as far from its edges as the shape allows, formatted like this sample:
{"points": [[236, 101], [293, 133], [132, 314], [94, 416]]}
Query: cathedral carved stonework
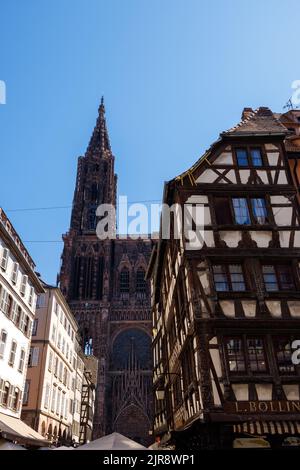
{"points": [[104, 284]]}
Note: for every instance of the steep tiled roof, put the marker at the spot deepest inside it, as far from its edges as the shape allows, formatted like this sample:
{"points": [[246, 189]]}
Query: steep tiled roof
{"points": [[259, 122]]}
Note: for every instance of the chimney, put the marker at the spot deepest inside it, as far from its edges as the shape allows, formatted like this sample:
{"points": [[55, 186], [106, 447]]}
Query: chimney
{"points": [[246, 113]]}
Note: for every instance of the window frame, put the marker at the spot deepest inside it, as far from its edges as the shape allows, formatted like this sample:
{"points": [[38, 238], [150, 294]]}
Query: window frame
{"points": [[245, 352], [275, 266], [228, 274], [249, 205], [289, 339], [13, 352], [248, 149]]}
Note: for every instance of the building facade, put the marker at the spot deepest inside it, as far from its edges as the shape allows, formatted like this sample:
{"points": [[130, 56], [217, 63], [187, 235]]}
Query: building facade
{"points": [[53, 391], [19, 287], [103, 282], [226, 297]]}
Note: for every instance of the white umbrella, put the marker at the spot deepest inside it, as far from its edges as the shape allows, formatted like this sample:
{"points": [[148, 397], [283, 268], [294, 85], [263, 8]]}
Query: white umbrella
{"points": [[114, 441], [7, 445]]}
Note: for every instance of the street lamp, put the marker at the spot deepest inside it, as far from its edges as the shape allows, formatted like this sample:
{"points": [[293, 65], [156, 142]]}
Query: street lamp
{"points": [[160, 393]]}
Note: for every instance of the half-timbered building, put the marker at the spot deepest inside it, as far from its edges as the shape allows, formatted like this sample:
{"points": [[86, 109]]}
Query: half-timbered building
{"points": [[226, 312]]}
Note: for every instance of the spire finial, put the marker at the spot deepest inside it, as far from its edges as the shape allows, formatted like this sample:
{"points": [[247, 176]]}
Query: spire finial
{"points": [[99, 140]]}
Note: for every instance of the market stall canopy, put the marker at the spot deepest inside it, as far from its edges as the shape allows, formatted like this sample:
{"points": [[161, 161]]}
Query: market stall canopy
{"points": [[6, 445], [63, 448], [114, 441], [16, 430]]}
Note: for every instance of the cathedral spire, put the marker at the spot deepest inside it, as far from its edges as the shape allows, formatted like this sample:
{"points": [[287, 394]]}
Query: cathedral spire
{"points": [[99, 144]]}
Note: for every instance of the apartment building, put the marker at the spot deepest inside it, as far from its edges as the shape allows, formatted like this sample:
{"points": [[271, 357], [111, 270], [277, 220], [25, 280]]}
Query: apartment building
{"points": [[19, 288], [51, 403]]}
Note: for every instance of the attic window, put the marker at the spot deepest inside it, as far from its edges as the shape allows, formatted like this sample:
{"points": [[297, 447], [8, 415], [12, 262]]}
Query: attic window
{"points": [[249, 157]]}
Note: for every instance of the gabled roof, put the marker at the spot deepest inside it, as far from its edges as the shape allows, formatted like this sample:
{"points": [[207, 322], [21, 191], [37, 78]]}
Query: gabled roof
{"points": [[259, 122]]}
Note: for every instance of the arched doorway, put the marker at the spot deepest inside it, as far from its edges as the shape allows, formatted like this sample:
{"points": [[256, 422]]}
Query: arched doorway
{"points": [[43, 428], [133, 423], [50, 431], [130, 392]]}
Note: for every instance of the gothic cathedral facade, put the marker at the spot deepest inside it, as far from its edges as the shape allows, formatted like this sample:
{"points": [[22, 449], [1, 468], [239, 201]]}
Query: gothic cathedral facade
{"points": [[104, 284]]}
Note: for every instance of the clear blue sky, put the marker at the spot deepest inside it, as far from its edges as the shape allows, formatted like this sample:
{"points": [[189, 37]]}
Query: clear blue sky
{"points": [[174, 74]]}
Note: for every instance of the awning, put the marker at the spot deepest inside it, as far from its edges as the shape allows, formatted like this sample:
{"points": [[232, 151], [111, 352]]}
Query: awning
{"points": [[16, 430], [267, 427]]}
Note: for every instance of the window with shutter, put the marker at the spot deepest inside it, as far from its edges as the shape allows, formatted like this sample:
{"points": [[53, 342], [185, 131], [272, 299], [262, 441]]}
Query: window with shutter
{"points": [[6, 302], [23, 284], [10, 403], [50, 361], [58, 402], [15, 399], [22, 323], [14, 274], [47, 392], [35, 326], [3, 339], [16, 313], [5, 393], [53, 399], [35, 357], [4, 259], [22, 360], [31, 293], [1, 389], [12, 355], [26, 392]]}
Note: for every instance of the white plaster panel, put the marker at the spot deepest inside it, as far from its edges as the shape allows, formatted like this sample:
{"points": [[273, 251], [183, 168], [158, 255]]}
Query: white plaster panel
{"points": [[297, 239], [228, 308], [213, 340], [273, 158], [231, 238], [244, 174], [263, 176], [282, 177], [241, 392], [264, 391], [203, 277], [209, 238], [208, 176], [249, 307], [283, 215], [217, 401], [271, 147], [280, 200], [274, 307], [261, 238], [197, 199], [225, 158], [291, 391], [294, 307], [231, 176], [215, 357], [284, 238], [207, 216]]}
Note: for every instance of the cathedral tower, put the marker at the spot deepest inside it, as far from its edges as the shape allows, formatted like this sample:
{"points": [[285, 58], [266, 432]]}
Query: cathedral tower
{"points": [[103, 282]]}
